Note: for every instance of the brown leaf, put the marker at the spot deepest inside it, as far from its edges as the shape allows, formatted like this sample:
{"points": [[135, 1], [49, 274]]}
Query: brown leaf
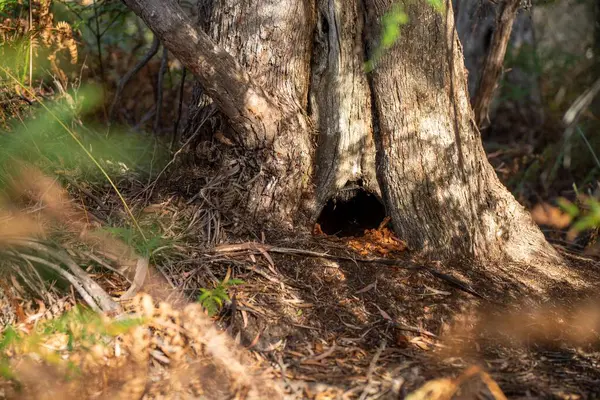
{"points": [[546, 214]]}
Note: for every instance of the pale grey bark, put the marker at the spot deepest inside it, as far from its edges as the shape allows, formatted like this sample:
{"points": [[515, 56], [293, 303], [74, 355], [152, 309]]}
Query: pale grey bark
{"points": [[341, 100]]}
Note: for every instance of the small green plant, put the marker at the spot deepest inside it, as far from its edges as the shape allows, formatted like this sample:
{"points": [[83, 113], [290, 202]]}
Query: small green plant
{"points": [[82, 328], [583, 218], [212, 299]]}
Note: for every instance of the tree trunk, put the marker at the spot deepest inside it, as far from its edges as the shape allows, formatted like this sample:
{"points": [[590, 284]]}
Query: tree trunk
{"points": [[437, 185], [255, 66], [318, 47], [520, 112], [441, 192]]}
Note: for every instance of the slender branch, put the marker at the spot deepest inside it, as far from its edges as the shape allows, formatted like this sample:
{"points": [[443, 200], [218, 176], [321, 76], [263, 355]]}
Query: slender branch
{"points": [[99, 42], [77, 284], [125, 79], [572, 116], [494, 60], [98, 294], [179, 110]]}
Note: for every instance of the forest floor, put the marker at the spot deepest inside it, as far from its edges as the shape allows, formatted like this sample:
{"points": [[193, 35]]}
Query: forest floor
{"points": [[336, 328], [322, 322], [321, 317], [310, 317]]}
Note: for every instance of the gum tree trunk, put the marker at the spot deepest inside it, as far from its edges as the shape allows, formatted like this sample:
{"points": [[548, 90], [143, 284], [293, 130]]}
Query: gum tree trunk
{"points": [[311, 54], [306, 119], [441, 192], [341, 100]]}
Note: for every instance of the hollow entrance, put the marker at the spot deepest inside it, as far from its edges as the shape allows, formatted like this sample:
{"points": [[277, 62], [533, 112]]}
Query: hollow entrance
{"points": [[351, 212]]}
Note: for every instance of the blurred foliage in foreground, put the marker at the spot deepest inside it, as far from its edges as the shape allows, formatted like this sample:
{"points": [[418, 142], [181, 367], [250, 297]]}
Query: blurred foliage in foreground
{"points": [[83, 355]]}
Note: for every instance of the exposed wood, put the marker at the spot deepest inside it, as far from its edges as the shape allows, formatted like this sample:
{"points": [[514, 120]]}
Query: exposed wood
{"points": [[141, 270], [341, 100], [86, 286]]}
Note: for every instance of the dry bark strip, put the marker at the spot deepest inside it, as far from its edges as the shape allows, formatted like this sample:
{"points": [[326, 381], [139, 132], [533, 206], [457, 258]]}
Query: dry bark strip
{"points": [[92, 293]]}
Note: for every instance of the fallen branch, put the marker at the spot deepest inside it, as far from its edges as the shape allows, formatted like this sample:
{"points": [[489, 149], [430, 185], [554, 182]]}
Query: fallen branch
{"points": [[89, 299]]}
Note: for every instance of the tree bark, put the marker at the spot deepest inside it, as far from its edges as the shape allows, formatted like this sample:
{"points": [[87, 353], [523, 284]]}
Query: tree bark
{"points": [[341, 100], [441, 192], [437, 185], [263, 96]]}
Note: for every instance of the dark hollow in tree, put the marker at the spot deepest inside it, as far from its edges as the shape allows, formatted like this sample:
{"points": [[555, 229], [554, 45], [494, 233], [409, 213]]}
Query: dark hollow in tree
{"points": [[352, 211], [301, 117]]}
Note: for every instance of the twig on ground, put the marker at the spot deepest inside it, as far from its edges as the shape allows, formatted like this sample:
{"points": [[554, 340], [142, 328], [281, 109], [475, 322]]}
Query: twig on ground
{"points": [[414, 329], [325, 354], [104, 264], [258, 248], [101, 204], [371, 370]]}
